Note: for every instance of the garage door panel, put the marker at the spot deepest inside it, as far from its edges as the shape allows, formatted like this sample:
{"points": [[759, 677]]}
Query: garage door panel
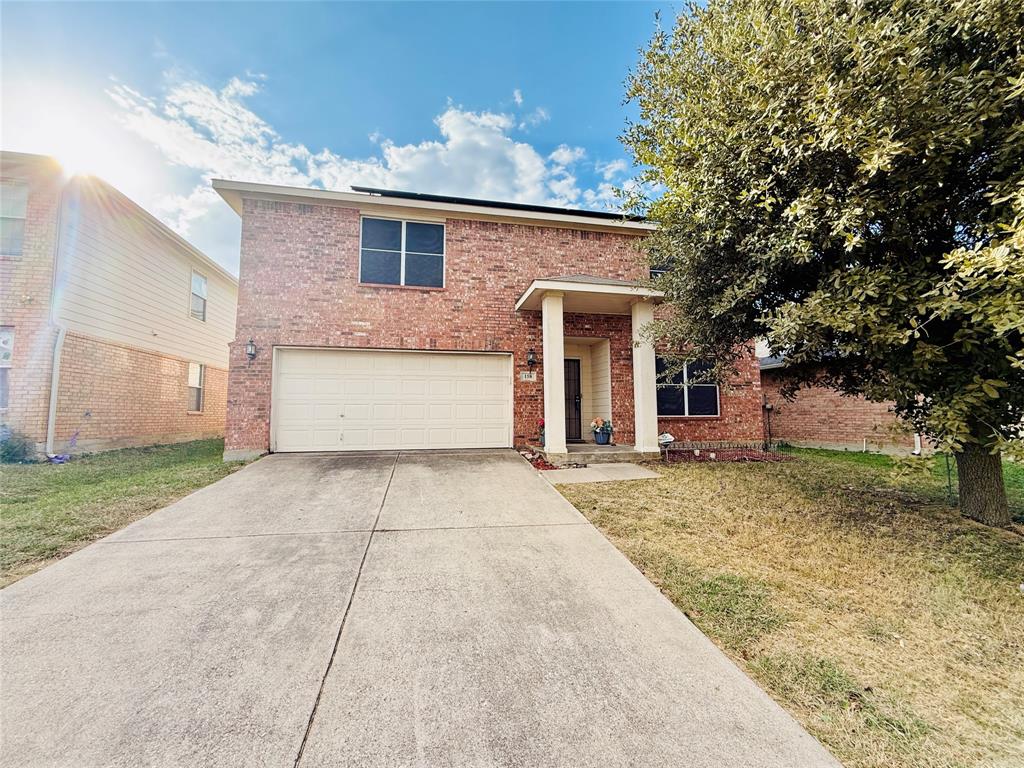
{"points": [[440, 437], [383, 412], [491, 434], [492, 388], [325, 412], [354, 439], [413, 411], [292, 411], [492, 412], [414, 438], [385, 438], [414, 386], [440, 387], [441, 412], [367, 399], [297, 385], [413, 363], [467, 411], [386, 387]]}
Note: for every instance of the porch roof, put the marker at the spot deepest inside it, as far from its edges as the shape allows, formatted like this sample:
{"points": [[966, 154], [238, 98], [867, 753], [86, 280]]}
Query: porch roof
{"points": [[589, 294]]}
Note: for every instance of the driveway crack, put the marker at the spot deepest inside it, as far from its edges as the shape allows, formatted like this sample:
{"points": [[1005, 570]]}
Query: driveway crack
{"points": [[344, 616]]}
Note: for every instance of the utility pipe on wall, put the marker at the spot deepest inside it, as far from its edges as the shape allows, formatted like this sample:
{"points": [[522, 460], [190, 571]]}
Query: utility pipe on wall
{"points": [[51, 415]]}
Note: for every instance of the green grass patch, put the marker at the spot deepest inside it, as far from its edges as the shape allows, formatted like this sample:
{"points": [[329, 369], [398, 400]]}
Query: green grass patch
{"points": [[820, 685], [931, 477], [735, 609], [50, 510]]}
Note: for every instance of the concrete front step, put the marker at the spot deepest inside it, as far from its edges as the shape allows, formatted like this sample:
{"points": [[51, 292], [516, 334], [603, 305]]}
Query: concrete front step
{"points": [[589, 453]]}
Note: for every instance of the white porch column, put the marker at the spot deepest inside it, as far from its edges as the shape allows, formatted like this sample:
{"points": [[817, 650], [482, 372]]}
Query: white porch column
{"points": [[645, 394], [554, 372]]}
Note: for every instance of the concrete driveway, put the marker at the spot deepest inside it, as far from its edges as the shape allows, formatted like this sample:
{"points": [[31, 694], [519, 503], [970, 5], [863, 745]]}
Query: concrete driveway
{"points": [[414, 609]]}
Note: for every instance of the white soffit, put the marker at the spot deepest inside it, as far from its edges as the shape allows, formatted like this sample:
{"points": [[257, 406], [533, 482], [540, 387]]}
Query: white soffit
{"points": [[590, 298]]}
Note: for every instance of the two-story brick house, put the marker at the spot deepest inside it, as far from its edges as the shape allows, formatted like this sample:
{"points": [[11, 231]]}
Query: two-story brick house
{"points": [[374, 319], [113, 329]]}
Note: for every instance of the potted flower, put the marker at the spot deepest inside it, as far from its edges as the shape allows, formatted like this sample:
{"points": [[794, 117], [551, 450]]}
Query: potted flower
{"points": [[540, 428], [602, 429]]}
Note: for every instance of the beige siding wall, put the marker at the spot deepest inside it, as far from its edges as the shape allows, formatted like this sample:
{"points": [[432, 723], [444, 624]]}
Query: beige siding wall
{"points": [[125, 279], [601, 372]]}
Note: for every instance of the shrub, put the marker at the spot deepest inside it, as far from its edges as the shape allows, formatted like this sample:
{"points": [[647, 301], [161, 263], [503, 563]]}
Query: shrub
{"points": [[15, 448]]}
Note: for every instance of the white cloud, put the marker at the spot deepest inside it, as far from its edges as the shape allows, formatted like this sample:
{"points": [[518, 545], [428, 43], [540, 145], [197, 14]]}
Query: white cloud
{"points": [[566, 155], [611, 169], [534, 118], [517, 97], [475, 154]]}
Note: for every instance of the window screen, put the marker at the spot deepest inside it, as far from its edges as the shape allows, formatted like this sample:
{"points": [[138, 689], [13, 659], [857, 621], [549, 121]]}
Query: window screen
{"points": [[197, 307], [402, 253], [196, 374], [13, 209], [679, 396]]}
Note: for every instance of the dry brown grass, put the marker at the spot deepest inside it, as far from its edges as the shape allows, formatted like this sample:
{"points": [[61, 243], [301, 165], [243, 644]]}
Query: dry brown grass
{"points": [[891, 628]]}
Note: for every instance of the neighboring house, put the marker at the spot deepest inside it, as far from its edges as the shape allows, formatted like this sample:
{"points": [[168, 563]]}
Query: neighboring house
{"points": [[819, 417], [113, 329], [386, 320]]}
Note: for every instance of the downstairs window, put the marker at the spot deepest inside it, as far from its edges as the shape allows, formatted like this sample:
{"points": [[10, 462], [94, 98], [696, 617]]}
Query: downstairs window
{"points": [[677, 396]]}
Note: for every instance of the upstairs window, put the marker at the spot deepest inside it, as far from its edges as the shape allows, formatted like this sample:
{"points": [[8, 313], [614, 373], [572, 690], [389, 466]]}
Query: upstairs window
{"points": [[678, 396], [197, 305], [196, 374], [13, 209], [402, 253]]}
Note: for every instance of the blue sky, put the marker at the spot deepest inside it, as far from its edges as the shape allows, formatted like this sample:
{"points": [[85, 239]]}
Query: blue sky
{"points": [[505, 101]]}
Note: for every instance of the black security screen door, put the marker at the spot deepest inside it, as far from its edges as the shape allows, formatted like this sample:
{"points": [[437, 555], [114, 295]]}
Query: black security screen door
{"points": [[573, 399]]}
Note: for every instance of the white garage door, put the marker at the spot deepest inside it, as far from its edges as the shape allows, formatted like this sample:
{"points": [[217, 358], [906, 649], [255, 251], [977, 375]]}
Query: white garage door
{"points": [[348, 400]]}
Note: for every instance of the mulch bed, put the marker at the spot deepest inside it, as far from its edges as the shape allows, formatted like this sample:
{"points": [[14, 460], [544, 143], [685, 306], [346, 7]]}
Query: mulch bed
{"points": [[724, 454], [539, 462]]}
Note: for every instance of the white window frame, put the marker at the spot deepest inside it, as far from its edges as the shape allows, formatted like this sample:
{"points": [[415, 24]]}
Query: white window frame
{"points": [[206, 300], [686, 397], [6, 365], [24, 218], [201, 387], [402, 253]]}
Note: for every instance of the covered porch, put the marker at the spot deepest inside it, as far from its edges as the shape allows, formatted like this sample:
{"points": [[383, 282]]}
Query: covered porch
{"points": [[584, 376]]}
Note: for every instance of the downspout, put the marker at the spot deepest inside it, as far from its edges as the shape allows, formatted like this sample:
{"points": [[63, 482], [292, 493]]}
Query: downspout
{"points": [[51, 416], [58, 345]]}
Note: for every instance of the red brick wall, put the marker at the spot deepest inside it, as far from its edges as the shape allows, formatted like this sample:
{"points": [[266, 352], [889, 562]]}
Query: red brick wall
{"points": [[739, 418], [299, 286], [117, 396], [25, 288], [822, 417], [529, 396]]}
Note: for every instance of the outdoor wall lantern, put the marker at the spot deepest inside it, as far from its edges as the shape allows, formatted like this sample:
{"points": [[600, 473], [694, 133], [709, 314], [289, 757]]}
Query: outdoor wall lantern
{"points": [[250, 349], [531, 357]]}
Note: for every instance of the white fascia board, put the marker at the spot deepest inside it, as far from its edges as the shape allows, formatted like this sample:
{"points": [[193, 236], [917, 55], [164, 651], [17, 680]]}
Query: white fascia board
{"points": [[234, 191], [542, 286]]}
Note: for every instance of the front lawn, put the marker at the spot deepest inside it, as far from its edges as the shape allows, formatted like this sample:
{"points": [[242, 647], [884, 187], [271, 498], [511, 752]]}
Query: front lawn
{"points": [[48, 511], [890, 627]]}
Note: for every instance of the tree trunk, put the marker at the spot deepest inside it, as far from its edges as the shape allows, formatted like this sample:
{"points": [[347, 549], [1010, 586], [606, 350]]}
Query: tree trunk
{"points": [[982, 492]]}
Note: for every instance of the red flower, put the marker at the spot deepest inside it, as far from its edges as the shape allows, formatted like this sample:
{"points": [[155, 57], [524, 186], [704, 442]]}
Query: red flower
{"points": [[540, 422]]}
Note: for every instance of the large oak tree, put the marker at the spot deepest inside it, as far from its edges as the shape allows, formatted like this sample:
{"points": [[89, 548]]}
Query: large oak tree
{"points": [[846, 180]]}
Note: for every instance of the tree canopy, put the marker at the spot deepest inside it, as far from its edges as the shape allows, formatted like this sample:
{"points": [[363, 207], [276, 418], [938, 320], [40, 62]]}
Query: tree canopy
{"points": [[846, 180]]}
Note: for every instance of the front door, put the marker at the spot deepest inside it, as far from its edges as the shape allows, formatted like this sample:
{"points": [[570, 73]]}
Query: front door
{"points": [[573, 401]]}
